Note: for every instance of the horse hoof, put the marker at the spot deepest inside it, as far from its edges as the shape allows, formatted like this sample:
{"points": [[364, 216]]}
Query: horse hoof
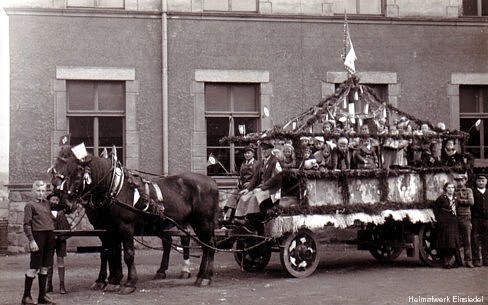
{"points": [[159, 276], [98, 286], [185, 275], [201, 282], [127, 290], [111, 288]]}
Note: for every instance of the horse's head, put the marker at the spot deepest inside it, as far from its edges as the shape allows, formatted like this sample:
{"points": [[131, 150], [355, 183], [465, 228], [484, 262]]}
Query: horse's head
{"points": [[68, 173]]}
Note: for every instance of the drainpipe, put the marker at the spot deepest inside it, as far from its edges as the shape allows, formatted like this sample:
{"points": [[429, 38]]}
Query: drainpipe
{"points": [[164, 85]]}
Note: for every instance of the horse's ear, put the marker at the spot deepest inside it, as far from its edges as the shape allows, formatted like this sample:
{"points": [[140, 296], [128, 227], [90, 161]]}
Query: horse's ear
{"points": [[87, 160]]}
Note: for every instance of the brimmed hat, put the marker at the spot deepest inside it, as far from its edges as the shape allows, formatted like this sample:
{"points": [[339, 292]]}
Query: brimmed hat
{"points": [[461, 177], [266, 145], [248, 148], [53, 195], [481, 176]]}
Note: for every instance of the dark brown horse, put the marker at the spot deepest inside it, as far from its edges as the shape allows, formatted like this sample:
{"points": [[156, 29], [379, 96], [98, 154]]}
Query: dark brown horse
{"points": [[187, 199]]}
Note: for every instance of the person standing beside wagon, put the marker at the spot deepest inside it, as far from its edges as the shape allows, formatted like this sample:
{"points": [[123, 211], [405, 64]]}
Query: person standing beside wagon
{"points": [[465, 202], [479, 214], [447, 225], [39, 229], [60, 223]]}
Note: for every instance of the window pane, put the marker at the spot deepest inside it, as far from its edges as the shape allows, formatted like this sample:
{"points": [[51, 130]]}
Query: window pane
{"points": [[216, 129], [340, 5], [110, 131], [484, 97], [221, 155], [468, 125], [215, 5], [110, 3], [470, 7], [250, 125], [81, 130], [244, 5], [217, 97], [369, 7], [81, 95], [484, 7], [111, 96], [467, 99], [245, 98]]}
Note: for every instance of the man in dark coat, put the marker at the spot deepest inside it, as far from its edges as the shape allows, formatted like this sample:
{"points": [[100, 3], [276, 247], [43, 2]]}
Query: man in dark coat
{"points": [[479, 218], [266, 184]]}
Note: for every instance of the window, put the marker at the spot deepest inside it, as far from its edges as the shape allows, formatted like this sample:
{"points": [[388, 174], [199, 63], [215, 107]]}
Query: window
{"points": [[96, 115], [475, 7], [473, 106], [371, 7], [230, 5], [96, 3], [230, 110]]}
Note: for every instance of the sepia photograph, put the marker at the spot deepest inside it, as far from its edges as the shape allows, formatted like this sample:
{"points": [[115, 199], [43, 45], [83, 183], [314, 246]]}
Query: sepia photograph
{"points": [[255, 152]]}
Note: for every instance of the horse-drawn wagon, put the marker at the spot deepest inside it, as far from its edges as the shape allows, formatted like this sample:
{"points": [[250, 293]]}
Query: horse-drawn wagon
{"points": [[388, 203], [388, 200]]}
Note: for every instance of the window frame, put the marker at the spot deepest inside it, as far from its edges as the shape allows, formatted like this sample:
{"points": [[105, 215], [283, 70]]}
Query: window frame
{"points": [[233, 167], [131, 132], [482, 114]]}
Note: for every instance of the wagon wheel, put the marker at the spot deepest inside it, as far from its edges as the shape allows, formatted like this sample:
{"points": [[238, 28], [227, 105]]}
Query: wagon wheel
{"points": [[256, 259], [382, 250], [299, 255], [427, 246]]}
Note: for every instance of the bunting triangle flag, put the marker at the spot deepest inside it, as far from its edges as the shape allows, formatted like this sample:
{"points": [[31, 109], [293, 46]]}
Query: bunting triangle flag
{"points": [[64, 140]]}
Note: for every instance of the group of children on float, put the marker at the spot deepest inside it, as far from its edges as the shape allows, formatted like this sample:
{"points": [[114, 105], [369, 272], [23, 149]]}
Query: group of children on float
{"points": [[391, 147]]}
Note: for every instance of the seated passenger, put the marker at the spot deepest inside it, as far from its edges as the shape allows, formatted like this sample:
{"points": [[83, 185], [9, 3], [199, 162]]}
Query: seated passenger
{"points": [[394, 150], [365, 156], [289, 160], [341, 157], [246, 173], [264, 189], [450, 156], [318, 143], [324, 158]]}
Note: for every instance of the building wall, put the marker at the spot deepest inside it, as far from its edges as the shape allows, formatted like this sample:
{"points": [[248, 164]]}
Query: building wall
{"points": [[296, 59], [39, 44]]}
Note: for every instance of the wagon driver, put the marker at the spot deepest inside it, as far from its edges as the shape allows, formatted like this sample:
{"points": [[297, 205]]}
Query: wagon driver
{"points": [[264, 187]]}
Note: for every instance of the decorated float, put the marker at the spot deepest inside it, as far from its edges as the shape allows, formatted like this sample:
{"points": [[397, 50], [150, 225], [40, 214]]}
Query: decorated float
{"points": [[381, 172]]}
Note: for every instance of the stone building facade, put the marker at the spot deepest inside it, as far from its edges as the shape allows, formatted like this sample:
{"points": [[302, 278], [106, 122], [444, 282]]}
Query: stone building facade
{"points": [[163, 57]]}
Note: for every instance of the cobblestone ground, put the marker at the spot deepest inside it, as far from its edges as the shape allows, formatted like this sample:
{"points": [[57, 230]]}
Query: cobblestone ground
{"points": [[344, 276]]}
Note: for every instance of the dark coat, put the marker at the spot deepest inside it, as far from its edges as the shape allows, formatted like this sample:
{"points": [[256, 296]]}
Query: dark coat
{"points": [[446, 225], [267, 177], [341, 160], [480, 208], [246, 173]]}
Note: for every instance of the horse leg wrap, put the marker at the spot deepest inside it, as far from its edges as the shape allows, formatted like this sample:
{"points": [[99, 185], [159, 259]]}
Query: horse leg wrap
{"points": [[185, 270]]}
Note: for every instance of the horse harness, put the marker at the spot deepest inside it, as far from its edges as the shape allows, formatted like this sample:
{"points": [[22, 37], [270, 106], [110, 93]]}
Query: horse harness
{"points": [[142, 200]]}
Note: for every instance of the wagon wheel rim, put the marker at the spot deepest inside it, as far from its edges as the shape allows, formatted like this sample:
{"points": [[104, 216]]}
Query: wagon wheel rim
{"points": [[299, 253], [381, 250], [255, 259], [428, 252]]}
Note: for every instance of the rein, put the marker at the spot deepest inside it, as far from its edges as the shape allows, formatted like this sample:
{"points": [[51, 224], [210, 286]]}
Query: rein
{"points": [[196, 239]]}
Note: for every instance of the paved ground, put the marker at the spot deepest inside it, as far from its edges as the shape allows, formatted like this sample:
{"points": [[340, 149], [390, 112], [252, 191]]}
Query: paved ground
{"points": [[344, 276]]}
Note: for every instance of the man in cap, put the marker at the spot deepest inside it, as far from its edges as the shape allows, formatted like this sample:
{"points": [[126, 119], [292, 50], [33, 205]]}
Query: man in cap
{"points": [[479, 213], [465, 202], [264, 190]]}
